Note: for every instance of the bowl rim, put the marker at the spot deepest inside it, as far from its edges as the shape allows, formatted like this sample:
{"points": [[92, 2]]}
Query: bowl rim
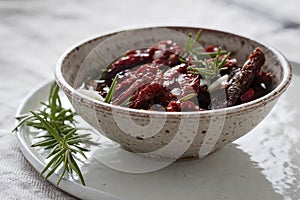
{"points": [[276, 92]]}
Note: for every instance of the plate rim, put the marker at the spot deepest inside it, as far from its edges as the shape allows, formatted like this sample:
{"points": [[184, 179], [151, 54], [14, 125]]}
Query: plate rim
{"points": [[73, 188]]}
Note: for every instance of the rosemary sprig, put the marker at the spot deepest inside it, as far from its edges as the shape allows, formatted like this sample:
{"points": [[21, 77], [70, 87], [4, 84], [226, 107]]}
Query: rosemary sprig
{"points": [[209, 68], [60, 135], [207, 64]]}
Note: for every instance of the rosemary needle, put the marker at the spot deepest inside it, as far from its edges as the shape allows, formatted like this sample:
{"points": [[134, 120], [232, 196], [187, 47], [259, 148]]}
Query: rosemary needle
{"points": [[188, 97], [111, 90]]}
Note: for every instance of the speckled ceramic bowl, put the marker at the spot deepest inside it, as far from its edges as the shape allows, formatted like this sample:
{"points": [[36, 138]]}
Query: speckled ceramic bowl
{"points": [[167, 135]]}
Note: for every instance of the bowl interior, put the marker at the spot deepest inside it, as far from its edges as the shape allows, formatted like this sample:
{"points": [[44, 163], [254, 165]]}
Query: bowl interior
{"points": [[87, 61]]}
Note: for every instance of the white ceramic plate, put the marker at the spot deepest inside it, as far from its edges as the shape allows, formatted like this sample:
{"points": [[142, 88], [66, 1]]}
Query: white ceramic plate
{"points": [[264, 164]]}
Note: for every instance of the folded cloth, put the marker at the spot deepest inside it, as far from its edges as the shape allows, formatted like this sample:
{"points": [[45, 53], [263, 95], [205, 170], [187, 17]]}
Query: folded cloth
{"points": [[18, 179]]}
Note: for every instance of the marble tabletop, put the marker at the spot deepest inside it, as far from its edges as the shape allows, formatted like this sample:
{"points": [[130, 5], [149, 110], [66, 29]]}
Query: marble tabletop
{"points": [[35, 33]]}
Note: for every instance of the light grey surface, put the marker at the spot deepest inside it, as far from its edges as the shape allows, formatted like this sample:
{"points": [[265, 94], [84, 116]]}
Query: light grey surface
{"points": [[35, 33]]}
